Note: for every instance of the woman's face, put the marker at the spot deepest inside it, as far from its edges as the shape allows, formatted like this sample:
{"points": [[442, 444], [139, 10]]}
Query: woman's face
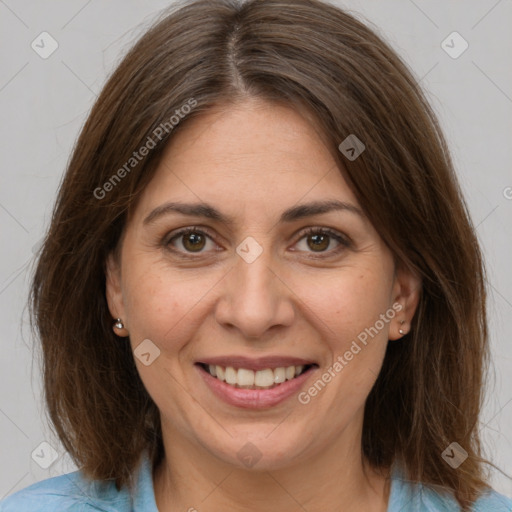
{"points": [[256, 295]]}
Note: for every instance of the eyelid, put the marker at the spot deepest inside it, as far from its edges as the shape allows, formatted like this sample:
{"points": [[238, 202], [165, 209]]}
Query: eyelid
{"points": [[334, 233], [344, 242], [166, 241]]}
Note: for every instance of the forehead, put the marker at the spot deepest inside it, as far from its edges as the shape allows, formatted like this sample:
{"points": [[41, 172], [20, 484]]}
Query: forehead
{"points": [[249, 155]]}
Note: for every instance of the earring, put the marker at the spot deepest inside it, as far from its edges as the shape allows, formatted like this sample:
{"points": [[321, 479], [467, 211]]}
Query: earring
{"points": [[401, 331], [118, 324]]}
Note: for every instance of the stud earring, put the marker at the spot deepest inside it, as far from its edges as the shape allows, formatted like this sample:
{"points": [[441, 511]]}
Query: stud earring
{"points": [[118, 324], [401, 331]]}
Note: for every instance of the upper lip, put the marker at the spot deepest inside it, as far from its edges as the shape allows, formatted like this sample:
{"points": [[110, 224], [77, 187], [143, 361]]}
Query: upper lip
{"points": [[258, 363]]}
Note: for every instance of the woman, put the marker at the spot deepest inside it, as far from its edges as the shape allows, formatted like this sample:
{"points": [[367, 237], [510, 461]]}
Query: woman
{"points": [[261, 289]]}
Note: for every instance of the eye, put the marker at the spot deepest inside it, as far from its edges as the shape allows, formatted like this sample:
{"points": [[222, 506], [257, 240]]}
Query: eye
{"points": [[194, 240], [191, 240], [319, 240]]}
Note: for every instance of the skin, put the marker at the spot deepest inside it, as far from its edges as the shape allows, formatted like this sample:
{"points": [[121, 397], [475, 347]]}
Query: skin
{"points": [[252, 161]]}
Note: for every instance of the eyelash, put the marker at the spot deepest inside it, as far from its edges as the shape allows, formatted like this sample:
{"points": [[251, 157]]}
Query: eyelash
{"points": [[342, 240]]}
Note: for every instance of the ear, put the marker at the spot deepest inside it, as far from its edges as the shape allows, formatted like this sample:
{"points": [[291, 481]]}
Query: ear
{"points": [[406, 293], [114, 291]]}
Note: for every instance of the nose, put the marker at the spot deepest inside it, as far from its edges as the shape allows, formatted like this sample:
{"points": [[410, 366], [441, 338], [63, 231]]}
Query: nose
{"points": [[255, 297]]}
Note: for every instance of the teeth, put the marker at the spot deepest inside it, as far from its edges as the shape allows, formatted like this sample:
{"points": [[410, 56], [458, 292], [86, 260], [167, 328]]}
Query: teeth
{"points": [[290, 372], [231, 375], [246, 378], [264, 378], [279, 375]]}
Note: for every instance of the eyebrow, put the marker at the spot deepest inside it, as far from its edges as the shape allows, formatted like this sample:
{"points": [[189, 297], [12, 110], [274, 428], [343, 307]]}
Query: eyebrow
{"points": [[290, 215]]}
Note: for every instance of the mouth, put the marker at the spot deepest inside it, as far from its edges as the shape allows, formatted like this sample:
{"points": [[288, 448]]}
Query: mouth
{"points": [[255, 383], [261, 379]]}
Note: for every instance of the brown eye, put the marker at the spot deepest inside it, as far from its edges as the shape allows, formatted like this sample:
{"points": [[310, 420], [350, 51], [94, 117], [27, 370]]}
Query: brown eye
{"points": [[189, 241], [319, 242], [193, 241]]}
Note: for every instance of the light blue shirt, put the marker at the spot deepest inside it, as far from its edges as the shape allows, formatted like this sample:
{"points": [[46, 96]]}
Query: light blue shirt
{"points": [[73, 493]]}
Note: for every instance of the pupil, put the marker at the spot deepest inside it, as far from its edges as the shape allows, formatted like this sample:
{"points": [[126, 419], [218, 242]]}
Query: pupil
{"points": [[318, 243], [193, 240]]}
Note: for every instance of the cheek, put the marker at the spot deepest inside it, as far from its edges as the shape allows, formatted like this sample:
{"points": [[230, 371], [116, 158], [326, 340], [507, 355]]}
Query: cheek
{"points": [[164, 304], [164, 307], [348, 313], [347, 302]]}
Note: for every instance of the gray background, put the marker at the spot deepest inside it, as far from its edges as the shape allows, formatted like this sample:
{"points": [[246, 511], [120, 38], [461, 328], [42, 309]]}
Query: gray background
{"points": [[44, 103]]}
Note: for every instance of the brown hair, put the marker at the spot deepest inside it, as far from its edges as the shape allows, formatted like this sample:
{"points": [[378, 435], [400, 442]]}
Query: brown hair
{"points": [[299, 53]]}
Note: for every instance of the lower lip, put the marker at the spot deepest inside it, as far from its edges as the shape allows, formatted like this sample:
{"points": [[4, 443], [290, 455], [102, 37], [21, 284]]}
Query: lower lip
{"points": [[254, 398]]}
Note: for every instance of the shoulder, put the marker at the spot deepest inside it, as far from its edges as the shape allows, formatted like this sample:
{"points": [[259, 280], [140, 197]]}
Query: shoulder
{"points": [[73, 492], [68, 493], [418, 497], [489, 501], [493, 501]]}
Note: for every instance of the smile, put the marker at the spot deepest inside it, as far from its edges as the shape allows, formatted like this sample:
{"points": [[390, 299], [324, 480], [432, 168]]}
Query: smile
{"points": [[261, 387], [245, 378]]}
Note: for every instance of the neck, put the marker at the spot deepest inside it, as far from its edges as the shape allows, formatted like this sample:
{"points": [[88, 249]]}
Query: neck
{"points": [[190, 478]]}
